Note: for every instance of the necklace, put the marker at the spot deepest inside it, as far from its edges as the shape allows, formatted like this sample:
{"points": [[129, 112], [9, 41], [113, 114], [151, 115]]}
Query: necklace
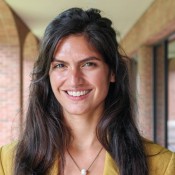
{"points": [[84, 171]]}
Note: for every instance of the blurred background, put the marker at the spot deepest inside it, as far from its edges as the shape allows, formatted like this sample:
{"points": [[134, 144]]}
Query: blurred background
{"points": [[146, 31]]}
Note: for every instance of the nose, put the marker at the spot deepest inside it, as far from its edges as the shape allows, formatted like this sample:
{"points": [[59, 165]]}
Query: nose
{"points": [[76, 77]]}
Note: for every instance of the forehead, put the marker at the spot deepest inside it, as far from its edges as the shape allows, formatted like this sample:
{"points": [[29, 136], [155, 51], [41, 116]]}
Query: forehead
{"points": [[75, 45]]}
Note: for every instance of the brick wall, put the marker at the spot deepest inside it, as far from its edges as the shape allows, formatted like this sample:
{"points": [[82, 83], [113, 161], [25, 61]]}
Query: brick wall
{"points": [[156, 24], [15, 41], [9, 75]]}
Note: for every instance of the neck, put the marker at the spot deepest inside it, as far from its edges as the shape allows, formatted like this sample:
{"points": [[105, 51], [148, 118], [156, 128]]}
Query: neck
{"points": [[85, 152], [83, 130]]}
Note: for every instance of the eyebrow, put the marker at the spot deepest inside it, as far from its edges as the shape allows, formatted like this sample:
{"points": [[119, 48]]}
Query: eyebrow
{"points": [[81, 61]]}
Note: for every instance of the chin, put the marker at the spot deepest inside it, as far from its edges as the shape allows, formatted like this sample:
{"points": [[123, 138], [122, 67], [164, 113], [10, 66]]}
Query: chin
{"points": [[76, 111]]}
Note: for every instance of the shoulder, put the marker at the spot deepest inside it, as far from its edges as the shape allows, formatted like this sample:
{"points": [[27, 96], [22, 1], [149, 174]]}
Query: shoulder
{"points": [[160, 160], [6, 158]]}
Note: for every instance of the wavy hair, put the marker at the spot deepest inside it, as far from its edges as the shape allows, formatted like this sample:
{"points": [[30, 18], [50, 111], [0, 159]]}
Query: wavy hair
{"points": [[46, 136]]}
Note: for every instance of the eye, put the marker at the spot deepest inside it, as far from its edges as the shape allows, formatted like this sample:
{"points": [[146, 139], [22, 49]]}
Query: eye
{"points": [[89, 64], [59, 65]]}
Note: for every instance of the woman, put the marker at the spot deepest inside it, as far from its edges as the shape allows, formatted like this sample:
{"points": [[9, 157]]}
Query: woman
{"points": [[79, 119]]}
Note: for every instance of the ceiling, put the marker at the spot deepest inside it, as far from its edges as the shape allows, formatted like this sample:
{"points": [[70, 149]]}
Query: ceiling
{"points": [[38, 13]]}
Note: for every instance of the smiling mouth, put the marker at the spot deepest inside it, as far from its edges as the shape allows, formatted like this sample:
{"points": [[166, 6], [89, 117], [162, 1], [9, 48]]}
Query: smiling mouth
{"points": [[77, 93]]}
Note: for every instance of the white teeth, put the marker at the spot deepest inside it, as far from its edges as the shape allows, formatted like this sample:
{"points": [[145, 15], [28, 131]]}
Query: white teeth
{"points": [[77, 93]]}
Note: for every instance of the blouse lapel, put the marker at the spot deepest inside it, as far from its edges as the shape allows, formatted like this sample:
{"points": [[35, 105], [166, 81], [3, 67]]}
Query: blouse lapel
{"points": [[110, 166]]}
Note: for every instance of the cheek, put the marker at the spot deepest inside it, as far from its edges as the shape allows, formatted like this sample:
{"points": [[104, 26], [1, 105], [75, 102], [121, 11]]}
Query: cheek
{"points": [[101, 80], [55, 80]]}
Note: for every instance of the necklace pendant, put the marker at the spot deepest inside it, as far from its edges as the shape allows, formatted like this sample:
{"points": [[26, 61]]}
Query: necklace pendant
{"points": [[83, 172]]}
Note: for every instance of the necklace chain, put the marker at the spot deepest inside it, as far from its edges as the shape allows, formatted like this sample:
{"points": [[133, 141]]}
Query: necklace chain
{"points": [[84, 171]]}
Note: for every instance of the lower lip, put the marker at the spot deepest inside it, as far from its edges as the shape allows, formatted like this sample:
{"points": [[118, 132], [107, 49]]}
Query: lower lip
{"points": [[76, 98]]}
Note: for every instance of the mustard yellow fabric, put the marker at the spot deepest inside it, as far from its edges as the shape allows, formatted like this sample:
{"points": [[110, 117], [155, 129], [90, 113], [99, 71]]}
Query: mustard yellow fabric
{"points": [[160, 161]]}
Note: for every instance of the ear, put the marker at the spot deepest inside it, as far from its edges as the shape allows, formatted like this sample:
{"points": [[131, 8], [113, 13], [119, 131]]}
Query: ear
{"points": [[112, 77]]}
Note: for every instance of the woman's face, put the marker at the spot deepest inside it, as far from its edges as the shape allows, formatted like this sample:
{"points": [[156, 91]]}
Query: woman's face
{"points": [[79, 77]]}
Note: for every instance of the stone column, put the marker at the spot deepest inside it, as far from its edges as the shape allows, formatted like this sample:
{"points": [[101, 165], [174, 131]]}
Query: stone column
{"points": [[144, 87]]}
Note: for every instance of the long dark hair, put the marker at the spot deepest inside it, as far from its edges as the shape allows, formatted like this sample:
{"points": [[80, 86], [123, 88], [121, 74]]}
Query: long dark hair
{"points": [[46, 136]]}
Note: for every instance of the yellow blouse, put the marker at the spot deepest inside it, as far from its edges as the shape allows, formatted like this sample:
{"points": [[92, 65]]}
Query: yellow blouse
{"points": [[160, 161]]}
